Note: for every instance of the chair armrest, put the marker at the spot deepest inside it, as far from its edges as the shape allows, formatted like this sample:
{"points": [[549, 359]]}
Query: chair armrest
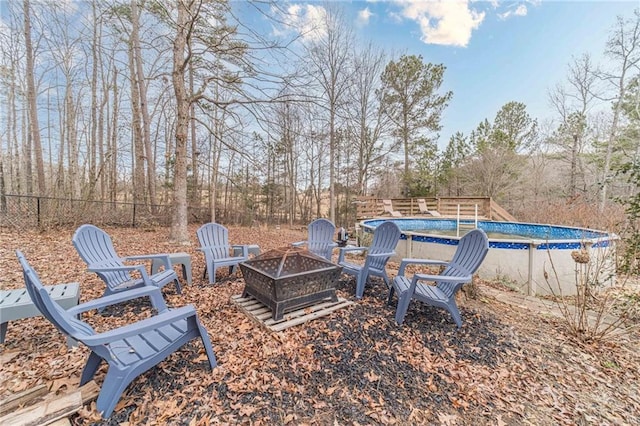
{"points": [[166, 262], [343, 250], [140, 327], [385, 254], [410, 261], [147, 256], [442, 278], [151, 291], [299, 243], [139, 268]]}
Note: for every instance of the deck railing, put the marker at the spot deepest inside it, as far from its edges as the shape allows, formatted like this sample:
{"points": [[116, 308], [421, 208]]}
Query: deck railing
{"points": [[487, 209]]}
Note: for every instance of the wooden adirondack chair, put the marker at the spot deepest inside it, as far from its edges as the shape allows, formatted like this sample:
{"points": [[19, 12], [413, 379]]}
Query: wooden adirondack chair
{"points": [[320, 238], [471, 251], [96, 248], [214, 242], [385, 240], [387, 205], [424, 209], [130, 350]]}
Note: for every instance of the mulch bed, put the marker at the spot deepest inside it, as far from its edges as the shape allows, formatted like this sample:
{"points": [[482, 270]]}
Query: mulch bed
{"points": [[356, 366]]}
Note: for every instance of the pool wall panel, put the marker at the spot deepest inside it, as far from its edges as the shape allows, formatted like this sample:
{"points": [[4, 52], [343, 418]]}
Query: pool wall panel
{"points": [[534, 267]]}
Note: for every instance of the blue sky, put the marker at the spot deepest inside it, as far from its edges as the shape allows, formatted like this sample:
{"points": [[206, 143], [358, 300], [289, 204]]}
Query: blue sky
{"points": [[494, 51]]}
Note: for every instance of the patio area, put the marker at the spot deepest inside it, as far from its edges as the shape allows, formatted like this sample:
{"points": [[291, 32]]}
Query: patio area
{"points": [[506, 365]]}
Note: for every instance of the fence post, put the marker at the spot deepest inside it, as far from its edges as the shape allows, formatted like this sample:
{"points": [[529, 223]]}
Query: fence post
{"points": [[38, 210], [133, 223]]}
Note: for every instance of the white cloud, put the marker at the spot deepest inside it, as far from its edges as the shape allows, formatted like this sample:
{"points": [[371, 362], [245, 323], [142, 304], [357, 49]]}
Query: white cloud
{"points": [[443, 22], [307, 19], [521, 10], [364, 16]]}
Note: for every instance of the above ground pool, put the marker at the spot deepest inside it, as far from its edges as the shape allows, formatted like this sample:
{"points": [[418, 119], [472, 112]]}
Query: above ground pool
{"points": [[531, 258]]}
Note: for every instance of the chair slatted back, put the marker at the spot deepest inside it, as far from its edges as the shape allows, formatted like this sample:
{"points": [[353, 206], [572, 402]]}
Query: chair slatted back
{"points": [[49, 308], [95, 247], [385, 240], [471, 251], [320, 238], [215, 237]]}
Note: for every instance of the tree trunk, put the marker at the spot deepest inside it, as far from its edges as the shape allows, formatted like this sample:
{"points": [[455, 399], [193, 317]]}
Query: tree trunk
{"points": [[144, 110], [72, 141], [332, 160], [113, 142], [216, 151], [12, 141], [92, 148], [195, 184], [179, 230], [136, 124], [34, 127]]}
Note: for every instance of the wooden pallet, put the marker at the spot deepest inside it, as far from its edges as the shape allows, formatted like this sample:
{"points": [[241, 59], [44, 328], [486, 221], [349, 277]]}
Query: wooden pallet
{"points": [[263, 315]]}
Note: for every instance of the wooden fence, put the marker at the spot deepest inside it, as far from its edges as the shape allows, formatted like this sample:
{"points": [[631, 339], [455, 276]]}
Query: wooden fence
{"points": [[487, 209]]}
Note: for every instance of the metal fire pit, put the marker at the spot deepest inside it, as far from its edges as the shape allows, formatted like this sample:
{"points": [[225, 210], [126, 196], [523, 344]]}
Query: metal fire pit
{"points": [[288, 278]]}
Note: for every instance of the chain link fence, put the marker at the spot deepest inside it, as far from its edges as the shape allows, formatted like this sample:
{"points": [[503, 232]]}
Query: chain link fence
{"points": [[28, 212]]}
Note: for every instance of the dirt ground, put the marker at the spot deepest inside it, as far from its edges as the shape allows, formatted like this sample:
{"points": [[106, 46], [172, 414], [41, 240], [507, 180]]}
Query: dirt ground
{"points": [[507, 365]]}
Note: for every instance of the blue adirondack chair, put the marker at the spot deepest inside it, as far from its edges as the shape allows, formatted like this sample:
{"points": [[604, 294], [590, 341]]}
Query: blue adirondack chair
{"points": [[130, 350], [214, 243], [385, 240], [96, 248], [320, 238], [471, 251]]}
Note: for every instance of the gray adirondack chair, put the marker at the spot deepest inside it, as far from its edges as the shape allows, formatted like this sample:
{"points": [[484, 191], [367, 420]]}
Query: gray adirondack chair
{"points": [[385, 240], [130, 350], [214, 243], [96, 248], [320, 238], [471, 251]]}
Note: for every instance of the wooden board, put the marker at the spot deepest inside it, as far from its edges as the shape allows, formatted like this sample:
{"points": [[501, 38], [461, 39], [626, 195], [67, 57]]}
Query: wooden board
{"points": [[22, 398], [54, 408], [45, 412], [263, 315]]}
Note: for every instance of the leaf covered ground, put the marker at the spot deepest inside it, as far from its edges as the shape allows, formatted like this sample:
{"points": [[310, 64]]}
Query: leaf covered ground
{"points": [[506, 366]]}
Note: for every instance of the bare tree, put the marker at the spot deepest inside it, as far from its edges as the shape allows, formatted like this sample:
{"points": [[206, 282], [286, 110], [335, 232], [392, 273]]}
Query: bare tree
{"points": [[34, 126], [573, 104], [329, 55], [140, 81], [623, 48], [96, 115], [185, 10], [10, 72], [369, 124]]}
